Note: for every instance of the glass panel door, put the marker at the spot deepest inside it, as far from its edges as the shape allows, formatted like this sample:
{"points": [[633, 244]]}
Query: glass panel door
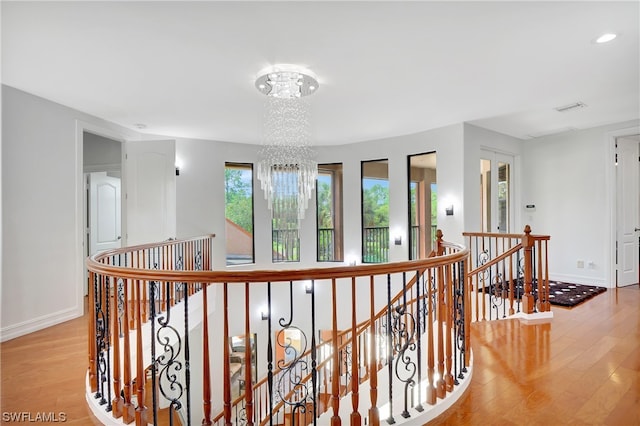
{"points": [[496, 192]]}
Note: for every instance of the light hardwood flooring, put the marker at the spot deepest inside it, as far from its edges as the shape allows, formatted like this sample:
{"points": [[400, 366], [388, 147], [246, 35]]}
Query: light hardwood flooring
{"points": [[582, 368]]}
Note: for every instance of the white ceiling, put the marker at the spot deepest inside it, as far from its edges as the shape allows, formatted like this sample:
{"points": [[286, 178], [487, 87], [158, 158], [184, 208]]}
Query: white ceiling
{"points": [[187, 69]]}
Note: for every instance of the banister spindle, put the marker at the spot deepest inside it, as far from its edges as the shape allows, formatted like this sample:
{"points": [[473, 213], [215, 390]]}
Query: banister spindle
{"points": [[547, 302], [440, 313], [128, 413], [356, 419], [206, 362], [374, 414], [335, 375], [117, 403], [390, 350], [141, 410], [448, 325], [248, 365], [431, 389], [226, 390], [527, 297], [93, 379]]}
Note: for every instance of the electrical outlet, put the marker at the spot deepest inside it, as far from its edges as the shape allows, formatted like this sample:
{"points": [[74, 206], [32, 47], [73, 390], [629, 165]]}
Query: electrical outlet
{"points": [[591, 264], [580, 263]]}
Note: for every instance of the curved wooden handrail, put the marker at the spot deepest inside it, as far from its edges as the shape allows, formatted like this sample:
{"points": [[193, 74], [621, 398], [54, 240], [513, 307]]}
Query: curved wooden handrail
{"points": [[256, 276], [139, 270], [499, 235]]}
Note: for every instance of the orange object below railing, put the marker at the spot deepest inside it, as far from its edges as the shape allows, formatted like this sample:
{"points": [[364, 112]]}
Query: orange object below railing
{"points": [[407, 321]]}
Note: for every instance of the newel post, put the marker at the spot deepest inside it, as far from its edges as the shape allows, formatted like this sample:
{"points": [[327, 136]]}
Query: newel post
{"points": [[528, 302], [439, 245]]}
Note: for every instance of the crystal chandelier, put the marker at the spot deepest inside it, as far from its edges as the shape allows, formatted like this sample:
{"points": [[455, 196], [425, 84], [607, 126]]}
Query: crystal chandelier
{"points": [[286, 168]]}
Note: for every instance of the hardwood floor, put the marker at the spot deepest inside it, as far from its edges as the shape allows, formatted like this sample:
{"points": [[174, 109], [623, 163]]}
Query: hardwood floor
{"points": [[582, 368], [44, 372]]}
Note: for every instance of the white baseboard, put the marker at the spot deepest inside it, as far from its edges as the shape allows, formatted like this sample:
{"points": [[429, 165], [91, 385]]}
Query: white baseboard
{"points": [[35, 324], [579, 279]]}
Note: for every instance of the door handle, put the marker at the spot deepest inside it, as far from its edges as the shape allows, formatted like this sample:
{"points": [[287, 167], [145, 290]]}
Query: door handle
{"points": [[119, 237]]}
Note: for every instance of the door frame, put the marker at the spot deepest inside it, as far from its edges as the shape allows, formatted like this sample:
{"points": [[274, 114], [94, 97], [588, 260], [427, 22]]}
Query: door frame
{"points": [[494, 155], [121, 135], [611, 185]]}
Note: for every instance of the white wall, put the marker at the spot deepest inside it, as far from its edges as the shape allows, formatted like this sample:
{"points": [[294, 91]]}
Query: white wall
{"points": [[567, 179], [200, 189], [100, 153], [42, 214]]}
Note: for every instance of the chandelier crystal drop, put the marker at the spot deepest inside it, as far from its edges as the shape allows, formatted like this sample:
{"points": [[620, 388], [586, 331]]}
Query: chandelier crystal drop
{"points": [[286, 168]]}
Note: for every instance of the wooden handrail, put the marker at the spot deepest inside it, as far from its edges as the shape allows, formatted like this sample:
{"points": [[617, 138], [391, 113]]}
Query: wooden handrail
{"points": [[140, 273], [495, 260]]}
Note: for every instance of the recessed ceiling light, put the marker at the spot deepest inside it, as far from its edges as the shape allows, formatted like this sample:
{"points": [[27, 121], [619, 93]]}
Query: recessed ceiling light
{"points": [[604, 38]]}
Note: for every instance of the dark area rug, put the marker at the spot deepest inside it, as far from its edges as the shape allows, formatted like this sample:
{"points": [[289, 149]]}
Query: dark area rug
{"points": [[567, 294], [560, 293]]}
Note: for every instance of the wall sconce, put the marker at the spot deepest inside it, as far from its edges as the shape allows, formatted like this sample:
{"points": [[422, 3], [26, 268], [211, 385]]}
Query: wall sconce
{"points": [[398, 240], [351, 260], [177, 171], [264, 312], [449, 210], [308, 287]]}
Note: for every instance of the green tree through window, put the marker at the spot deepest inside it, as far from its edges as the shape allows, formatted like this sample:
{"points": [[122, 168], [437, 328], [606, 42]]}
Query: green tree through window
{"points": [[238, 192]]}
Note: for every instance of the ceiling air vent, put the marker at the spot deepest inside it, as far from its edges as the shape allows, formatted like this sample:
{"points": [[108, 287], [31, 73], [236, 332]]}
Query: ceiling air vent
{"points": [[570, 107]]}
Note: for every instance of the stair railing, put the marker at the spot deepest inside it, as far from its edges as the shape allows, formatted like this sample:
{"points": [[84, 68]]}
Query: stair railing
{"points": [[166, 312], [509, 274]]}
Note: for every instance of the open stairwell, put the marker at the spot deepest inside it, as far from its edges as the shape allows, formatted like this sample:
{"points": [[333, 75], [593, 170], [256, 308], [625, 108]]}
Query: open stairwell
{"points": [[363, 344]]}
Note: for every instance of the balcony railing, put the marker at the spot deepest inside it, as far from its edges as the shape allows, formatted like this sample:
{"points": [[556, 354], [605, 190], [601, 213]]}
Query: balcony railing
{"points": [[415, 239], [326, 245], [395, 336], [375, 244], [154, 354], [509, 274]]}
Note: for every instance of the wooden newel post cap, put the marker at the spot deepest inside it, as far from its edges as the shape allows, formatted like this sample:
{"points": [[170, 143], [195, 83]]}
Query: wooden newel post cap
{"points": [[439, 234], [527, 241]]}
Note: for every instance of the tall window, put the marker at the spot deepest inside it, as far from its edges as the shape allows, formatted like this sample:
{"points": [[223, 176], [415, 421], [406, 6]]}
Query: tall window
{"points": [[285, 238], [375, 211], [238, 190], [329, 213], [422, 204]]}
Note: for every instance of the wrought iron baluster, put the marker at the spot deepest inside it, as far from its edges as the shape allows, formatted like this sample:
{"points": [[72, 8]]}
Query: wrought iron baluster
{"points": [[418, 321], [389, 330]]}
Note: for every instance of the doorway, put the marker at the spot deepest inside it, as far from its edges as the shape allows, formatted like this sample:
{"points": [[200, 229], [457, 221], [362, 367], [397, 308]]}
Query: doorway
{"points": [[627, 208], [102, 195], [496, 192]]}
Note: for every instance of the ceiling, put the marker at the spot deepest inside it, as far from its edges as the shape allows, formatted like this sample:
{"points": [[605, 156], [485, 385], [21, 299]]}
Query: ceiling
{"points": [[187, 69]]}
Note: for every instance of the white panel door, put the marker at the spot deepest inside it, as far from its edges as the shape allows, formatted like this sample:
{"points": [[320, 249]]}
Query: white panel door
{"points": [[104, 212], [151, 191], [628, 207]]}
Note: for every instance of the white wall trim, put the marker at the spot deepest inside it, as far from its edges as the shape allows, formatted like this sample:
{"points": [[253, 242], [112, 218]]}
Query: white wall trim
{"points": [[35, 324], [102, 168], [579, 279], [610, 182]]}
